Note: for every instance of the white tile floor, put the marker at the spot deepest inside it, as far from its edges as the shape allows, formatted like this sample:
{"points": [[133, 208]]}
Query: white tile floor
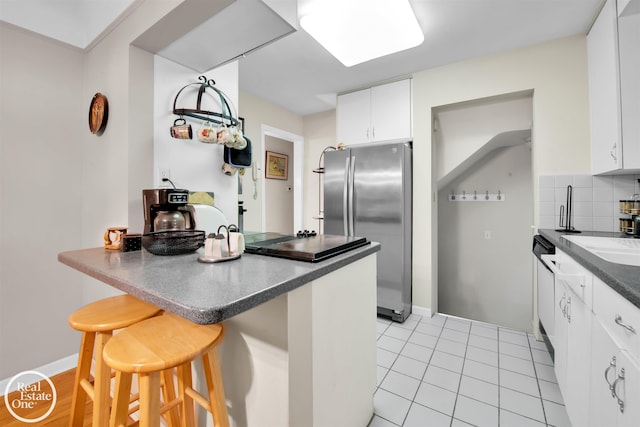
{"points": [[447, 371]]}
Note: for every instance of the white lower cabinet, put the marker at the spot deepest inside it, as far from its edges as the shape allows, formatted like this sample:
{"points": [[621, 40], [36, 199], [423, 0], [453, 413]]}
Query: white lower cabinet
{"points": [[573, 335], [597, 348], [615, 382]]}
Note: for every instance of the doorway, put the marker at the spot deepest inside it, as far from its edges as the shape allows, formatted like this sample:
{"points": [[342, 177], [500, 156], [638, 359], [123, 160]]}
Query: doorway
{"points": [[282, 200], [484, 263]]}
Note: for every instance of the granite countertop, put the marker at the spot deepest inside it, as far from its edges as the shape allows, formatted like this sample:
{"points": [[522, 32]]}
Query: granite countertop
{"points": [[624, 279], [204, 293]]}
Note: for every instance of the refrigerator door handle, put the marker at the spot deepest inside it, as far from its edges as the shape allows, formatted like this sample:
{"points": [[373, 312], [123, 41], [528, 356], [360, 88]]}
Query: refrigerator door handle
{"points": [[352, 214], [345, 196]]}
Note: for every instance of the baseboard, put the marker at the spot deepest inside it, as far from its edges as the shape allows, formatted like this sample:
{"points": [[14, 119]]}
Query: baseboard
{"points": [[50, 369], [421, 311]]}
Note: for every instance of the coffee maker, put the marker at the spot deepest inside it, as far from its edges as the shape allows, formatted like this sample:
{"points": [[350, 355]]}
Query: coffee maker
{"points": [[167, 209]]}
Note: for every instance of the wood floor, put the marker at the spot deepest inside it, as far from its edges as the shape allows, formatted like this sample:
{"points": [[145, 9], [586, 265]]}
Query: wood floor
{"points": [[60, 415]]}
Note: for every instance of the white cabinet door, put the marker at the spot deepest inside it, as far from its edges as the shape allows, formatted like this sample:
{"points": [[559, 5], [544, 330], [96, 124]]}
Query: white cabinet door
{"points": [[628, 391], [629, 50], [615, 382], [578, 366], [561, 328], [380, 113], [603, 408], [604, 90], [354, 117], [391, 111]]}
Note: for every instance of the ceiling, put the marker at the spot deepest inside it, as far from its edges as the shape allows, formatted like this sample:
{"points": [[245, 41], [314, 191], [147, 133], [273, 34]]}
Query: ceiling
{"points": [[299, 75]]}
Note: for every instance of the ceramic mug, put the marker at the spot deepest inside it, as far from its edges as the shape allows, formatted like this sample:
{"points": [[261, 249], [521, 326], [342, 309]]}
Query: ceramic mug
{"points": [[229, 170], [224, 135], [113, 237], [181, 130], [207, 133], [238, 142]]}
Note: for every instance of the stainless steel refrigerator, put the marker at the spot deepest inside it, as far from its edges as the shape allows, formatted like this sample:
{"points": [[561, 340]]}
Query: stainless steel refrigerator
{"points": [[367, 193]]}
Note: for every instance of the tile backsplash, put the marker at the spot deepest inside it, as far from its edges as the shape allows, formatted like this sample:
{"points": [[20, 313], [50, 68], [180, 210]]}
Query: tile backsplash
{"points": [[595, 200]]}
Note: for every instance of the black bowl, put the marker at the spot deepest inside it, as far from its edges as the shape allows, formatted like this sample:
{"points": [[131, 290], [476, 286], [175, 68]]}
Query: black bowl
{"points": [[173, 242]]}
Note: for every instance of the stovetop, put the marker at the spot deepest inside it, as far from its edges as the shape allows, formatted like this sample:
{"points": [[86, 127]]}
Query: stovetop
{"points": [[305, 246]]}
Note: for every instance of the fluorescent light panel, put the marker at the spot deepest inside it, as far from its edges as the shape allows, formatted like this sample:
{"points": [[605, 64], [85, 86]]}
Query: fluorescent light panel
{"points": [[355, 31]]}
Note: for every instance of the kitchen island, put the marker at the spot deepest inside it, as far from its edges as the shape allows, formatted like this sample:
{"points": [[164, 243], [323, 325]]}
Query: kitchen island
{"points": [[299, 345]]}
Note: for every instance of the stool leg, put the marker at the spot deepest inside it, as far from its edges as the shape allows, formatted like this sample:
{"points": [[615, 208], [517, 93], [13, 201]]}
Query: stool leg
{"points": [[216, 389], [169, 394], [122, 392], [83, 370], [149, 399], [102, 384], [185, 381]]}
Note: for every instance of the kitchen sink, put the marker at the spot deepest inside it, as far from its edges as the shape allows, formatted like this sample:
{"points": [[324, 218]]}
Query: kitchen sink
{"points": [[616, 250]]}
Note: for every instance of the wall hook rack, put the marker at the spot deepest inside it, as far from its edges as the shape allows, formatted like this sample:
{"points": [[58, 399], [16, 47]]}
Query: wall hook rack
{"points": [[476, 196]]}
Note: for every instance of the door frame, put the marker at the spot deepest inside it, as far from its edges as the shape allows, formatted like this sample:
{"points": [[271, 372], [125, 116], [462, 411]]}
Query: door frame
{"points": [[298, 170]]}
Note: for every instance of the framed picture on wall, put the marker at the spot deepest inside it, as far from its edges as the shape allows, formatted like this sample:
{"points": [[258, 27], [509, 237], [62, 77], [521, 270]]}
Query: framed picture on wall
{"points": [[277, 166]]}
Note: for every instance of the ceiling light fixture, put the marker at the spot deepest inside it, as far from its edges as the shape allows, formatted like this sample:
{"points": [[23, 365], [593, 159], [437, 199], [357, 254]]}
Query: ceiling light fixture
{"points": [[355, 31]]}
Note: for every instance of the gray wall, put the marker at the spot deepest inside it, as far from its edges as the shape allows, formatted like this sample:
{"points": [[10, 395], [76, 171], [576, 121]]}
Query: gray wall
{"points": [[43, 118], [489, 279]]}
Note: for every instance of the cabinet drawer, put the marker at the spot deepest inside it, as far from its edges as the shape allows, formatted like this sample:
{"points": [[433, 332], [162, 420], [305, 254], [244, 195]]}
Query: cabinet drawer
{"points": [[575, 277], [618, 316]]}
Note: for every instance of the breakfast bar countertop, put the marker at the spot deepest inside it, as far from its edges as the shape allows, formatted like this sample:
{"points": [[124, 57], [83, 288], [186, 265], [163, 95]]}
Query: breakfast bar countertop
{"points": [[204, 293], [624, 279]]}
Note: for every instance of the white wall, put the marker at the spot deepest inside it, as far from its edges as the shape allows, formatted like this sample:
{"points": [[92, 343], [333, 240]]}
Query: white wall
{"points": [[194, 165], [463, 129], [557, 74], [258, 113], [319, 133]]}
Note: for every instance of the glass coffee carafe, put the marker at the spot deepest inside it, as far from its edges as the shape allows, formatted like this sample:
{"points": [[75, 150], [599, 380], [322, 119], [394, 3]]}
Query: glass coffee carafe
{"points": [[169, 220]]}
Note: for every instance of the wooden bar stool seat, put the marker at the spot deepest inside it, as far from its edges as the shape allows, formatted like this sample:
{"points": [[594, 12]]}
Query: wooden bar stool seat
{"points": [[159, 344], [97, 321]]}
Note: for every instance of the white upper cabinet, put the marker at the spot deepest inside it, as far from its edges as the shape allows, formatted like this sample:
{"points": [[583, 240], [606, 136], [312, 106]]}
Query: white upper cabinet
{"points": [[604, 101], [613, 46], [629, 49], [376, 114]]}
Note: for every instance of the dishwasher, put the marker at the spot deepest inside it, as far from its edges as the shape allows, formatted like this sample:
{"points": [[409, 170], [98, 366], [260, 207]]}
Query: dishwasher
{"points": [[545, 251]]}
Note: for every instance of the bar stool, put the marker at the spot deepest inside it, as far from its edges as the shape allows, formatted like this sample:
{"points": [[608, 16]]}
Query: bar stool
{"points": [[161, 344], [97, 321]]}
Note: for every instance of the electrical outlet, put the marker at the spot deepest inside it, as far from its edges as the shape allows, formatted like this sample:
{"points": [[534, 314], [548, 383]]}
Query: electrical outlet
{"points": [[164, 173]]}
